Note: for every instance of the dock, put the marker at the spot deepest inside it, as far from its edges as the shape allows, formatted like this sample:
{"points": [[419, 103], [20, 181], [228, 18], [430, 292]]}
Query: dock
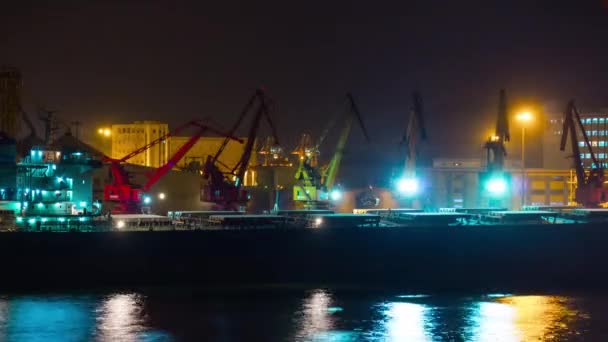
{"points": [[342, 220], [520, 217]]}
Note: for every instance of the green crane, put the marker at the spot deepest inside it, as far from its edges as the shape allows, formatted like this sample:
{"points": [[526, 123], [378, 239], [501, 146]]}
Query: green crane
{"points": [[315, 185]]}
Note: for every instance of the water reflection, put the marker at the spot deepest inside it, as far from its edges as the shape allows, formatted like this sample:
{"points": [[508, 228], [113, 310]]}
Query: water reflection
{"points": [[403, 322], [319, 315], [48, 319], [120, 318], [521, 318], [315, 317]]}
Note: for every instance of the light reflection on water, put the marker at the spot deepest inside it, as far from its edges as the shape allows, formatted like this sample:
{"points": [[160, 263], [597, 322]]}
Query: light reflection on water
{"points": [[317, 315], [119, 318]]}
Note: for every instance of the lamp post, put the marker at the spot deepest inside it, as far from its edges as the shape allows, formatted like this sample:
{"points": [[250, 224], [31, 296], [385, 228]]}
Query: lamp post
{"points": [[104, 140], [523, 118]]}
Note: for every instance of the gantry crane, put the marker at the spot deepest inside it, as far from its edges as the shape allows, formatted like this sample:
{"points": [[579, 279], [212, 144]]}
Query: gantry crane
{"points": [[316, 186], [225, 189], [494, 180], [590, 190], [127, 197], [415, 133]]}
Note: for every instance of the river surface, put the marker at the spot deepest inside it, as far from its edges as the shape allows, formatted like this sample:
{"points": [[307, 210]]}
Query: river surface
{"points": [[311, 315]]}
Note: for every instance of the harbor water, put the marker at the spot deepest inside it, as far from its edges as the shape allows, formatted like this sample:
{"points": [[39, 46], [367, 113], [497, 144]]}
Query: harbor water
{"points": [[301, 315]]}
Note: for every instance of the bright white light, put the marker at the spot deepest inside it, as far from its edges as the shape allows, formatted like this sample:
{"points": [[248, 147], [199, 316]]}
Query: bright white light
{"points": [[120, 224], [407, 186], [161, 196], [335, 195], [147, 200], [497, 186], [318, 222]]}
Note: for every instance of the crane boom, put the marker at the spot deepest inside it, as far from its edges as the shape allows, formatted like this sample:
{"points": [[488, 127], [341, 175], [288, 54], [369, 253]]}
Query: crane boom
{"points": [[495, 145], [571, 119], [128, 196], [334, 165], [161, 171], [590, 186], [415, 133]]}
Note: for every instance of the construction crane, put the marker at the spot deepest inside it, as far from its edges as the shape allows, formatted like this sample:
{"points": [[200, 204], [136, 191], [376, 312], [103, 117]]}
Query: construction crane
{"points": [[316, 186], [128, 198], [494, 181], [225, 188], [10, 101], [415, 133], [590, 191]]}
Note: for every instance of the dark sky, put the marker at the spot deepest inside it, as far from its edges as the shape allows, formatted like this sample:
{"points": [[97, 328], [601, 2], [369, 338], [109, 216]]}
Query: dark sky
{"points": [[109, 61]]}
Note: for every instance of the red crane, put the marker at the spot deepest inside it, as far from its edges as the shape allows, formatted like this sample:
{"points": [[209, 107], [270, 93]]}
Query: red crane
{"points": [[225, 189], [127, 196], [590, 191]]}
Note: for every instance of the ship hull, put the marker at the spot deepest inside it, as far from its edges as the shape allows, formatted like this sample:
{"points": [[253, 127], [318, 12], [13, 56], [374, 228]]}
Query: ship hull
{"points": [[493, 258]]}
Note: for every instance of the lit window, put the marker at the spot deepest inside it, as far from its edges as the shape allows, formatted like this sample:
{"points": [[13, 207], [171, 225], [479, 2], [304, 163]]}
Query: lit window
{"points": [[581, 143], [594, 143], [601, 155], [588, 155], [594, 119], [587, 120], [582, 155], [602, 120]]}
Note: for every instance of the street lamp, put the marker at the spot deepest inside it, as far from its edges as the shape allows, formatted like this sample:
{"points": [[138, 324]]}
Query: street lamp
{"points": [[524, 118], [106, 132]]}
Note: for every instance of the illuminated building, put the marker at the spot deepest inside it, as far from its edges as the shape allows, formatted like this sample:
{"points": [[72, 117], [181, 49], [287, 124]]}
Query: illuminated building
{"points": [[128, 137], [596, 127], [456, 183]]}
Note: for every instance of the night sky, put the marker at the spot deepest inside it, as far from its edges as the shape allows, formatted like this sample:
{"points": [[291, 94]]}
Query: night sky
{"points": [[118, 61]]}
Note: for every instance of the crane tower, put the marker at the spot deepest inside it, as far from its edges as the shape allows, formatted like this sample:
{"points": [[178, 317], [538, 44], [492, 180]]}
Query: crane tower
{"points": [[10, 100]]}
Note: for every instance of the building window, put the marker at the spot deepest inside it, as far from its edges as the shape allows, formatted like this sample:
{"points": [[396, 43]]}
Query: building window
{"points": [[601, 143], [594, 143], [581, 143], [588, 155]]}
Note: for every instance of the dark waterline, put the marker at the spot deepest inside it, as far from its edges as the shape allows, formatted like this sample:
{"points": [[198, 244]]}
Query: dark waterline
{"points": [[312, 315]]}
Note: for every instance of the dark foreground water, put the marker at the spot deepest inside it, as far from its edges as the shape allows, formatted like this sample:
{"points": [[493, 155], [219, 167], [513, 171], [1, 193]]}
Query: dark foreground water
{"points": [[314, 315]]}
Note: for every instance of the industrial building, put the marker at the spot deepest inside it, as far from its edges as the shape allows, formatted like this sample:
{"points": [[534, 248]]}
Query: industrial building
{"points": [[129, 137], [456, 183]]}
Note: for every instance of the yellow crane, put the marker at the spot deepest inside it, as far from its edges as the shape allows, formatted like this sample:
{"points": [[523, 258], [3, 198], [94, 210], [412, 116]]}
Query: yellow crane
{"points": [[316, 186]]}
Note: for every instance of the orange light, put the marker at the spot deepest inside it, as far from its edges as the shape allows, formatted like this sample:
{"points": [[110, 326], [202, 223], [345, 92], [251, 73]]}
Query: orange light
{"points": [[524, 116]]}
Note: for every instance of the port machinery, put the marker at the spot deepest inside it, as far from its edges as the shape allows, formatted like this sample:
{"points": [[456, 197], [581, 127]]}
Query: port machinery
{"points": [[226, 189], [408, 185], [129, 198], [315, 186], [590, 190], [495, 181]]}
